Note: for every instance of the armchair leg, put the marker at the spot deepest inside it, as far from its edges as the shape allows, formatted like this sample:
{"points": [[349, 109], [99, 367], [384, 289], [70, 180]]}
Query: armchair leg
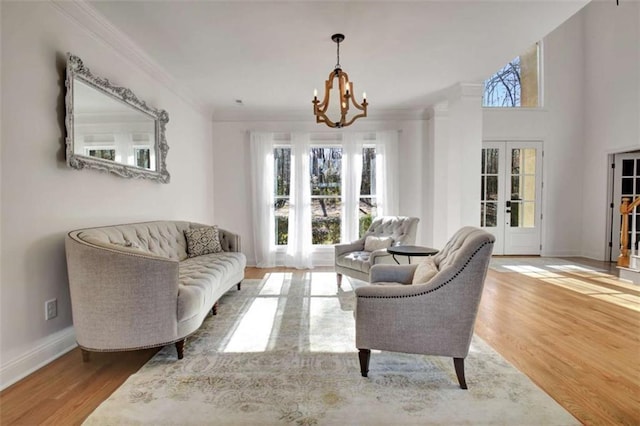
{"points": [[214, 309], [364, 355], [339, 279], [239, 285], [459, 365]]}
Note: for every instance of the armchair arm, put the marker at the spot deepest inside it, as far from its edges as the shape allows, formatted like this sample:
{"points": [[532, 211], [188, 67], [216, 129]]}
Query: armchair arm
{"points": [[377, 255], [402, 274], [357, 245], [229, 240]]}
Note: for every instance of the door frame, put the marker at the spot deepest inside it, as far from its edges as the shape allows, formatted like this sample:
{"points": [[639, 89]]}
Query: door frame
{"points": [[613, 218], [539, 144]]}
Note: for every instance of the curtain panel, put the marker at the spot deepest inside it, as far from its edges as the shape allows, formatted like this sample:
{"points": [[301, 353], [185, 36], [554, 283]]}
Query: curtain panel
{"points": [[299, 246], [351, 180], [263, 215], [387, 172]]}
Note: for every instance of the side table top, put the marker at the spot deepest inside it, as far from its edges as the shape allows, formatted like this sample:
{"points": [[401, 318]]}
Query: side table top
{"points": [[412, 250]]}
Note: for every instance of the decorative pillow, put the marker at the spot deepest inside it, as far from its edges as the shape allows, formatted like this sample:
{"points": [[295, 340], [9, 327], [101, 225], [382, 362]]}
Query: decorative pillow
{"points": [[426, 270], [203, 241], [372, 243]]}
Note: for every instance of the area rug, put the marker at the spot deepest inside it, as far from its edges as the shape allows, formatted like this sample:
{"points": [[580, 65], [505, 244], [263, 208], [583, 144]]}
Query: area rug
{"points": [[281, 352]]}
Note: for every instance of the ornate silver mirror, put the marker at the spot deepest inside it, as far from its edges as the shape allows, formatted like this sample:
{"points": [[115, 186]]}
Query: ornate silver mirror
{"points": [[110, 129]]}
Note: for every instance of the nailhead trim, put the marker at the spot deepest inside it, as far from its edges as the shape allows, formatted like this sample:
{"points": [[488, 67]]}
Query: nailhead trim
{"points": [[436, 288]]}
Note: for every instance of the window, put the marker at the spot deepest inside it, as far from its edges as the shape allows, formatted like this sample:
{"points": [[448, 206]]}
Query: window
{"points": [[325, 171], [143, 157], [516, 84], [104, 153], [368, 189], [282, 177], [325, 164], [489, 188]]}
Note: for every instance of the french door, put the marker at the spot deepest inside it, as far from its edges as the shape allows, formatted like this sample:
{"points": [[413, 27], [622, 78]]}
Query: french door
{"points": [[511, 193], [626, 183]]}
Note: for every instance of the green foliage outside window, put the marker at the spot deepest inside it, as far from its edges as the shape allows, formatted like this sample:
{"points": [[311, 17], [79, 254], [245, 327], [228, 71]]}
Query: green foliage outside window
{"points": [[325, 179]]}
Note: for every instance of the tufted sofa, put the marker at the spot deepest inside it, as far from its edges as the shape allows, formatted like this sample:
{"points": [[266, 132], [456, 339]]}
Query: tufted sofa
{"points": [[134, 286], [354, 261]]}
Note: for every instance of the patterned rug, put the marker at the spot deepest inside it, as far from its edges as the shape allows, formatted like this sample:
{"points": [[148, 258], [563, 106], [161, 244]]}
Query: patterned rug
{"points": [[281, 352]]}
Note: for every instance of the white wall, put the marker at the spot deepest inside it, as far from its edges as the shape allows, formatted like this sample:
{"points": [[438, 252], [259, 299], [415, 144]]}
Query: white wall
{"points": [[42, 198], [232, 175], [612, 108]]}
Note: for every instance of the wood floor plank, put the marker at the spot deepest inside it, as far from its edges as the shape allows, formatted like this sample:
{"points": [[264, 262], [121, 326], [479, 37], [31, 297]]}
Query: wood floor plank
{"points": [[580, 348]]}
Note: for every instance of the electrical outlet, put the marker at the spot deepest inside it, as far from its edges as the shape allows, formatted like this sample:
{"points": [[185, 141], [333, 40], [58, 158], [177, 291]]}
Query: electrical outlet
{"points": [[50, 309]]}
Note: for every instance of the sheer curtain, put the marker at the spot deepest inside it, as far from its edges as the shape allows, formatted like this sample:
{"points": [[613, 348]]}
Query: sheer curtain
{"points": [[387, 173], [300, 242], [351, 181], [262, 168]]}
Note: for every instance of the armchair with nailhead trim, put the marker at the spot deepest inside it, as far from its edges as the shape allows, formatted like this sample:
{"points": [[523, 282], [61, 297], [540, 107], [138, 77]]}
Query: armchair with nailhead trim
{"points": [[434, 317]]}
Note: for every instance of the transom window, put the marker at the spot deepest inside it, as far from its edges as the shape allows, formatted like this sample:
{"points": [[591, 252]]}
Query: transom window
{"points": [[516, 84]]}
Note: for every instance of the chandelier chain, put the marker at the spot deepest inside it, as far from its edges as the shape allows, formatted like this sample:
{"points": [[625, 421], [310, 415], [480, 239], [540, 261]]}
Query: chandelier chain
{"points": [[338, 56]]}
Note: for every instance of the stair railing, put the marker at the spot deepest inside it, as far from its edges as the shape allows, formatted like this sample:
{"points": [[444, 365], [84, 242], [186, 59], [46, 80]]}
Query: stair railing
{"points": [[627, 208]]}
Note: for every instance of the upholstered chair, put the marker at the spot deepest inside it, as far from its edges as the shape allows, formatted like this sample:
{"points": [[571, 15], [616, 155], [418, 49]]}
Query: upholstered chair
{"points": [[356, 258], [427, 308]]}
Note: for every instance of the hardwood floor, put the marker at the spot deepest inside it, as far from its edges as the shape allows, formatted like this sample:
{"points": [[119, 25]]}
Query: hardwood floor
{"points": [[575, 334]]}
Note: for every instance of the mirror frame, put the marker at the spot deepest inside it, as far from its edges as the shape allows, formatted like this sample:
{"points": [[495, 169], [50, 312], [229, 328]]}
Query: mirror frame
{"points": [[77, 70]]}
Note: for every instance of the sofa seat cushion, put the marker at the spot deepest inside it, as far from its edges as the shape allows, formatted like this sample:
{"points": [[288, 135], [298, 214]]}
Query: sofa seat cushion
{"points": [[199, 278], [358, 260]]}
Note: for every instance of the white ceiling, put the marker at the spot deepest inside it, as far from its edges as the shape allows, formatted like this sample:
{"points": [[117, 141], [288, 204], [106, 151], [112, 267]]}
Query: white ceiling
{"points": [[271, 55]]}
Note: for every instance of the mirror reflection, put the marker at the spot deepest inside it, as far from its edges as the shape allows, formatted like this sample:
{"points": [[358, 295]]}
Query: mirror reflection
{"points": [[108, 129]]}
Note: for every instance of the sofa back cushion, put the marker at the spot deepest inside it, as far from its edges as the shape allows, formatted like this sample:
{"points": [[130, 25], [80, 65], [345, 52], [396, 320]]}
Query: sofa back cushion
{"points": [[161, 238]]}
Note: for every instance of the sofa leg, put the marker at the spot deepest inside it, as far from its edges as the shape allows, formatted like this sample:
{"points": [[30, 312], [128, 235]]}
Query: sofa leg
{"points": [[339, 279], [364, 355], [239, 285], [459, 365], [214, 309], [180, 348], [86, 355]]}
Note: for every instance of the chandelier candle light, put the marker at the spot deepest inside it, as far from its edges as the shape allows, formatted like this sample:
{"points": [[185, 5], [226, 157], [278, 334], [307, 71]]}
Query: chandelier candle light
{"points": [[344, 97]]}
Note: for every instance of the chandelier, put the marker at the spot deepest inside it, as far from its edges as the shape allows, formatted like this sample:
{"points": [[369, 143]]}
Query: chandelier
{"points": [[341, 100]]}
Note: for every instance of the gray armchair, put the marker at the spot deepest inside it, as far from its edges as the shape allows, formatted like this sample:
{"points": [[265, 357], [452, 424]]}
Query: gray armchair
{"points": [[431, 318], [353, 260]]}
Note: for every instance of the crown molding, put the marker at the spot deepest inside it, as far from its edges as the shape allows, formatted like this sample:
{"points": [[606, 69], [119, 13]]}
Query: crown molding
{"points": [[466, 90], [101, 29]]}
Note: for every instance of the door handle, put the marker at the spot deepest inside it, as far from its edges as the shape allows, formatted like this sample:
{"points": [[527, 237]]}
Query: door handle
{"points": [[508, 210]]}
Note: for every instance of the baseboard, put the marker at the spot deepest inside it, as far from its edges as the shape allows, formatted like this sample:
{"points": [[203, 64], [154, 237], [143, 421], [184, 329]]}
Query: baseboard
{"points": [[560, 253], [47, 350]]}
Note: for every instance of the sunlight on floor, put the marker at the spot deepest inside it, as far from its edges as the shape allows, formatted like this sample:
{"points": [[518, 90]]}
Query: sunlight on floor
{"points": [[574, 278], [314, 303], [254, 330], [259, 324], [327, 316]]}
